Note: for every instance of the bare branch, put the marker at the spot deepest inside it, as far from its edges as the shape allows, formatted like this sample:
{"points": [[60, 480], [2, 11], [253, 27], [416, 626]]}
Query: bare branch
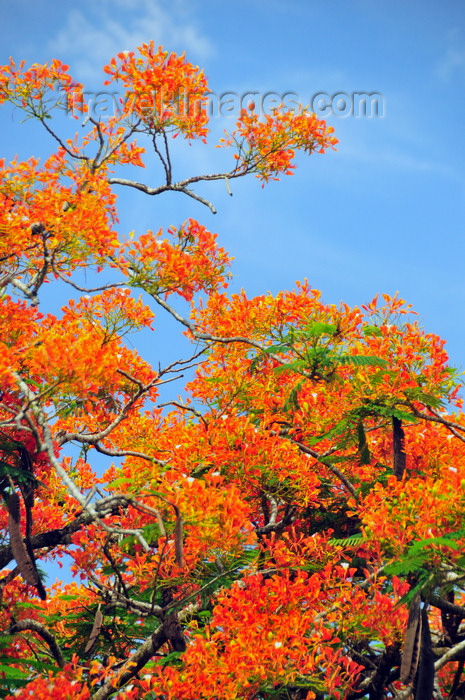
{"points": [[62, 144], [140, 658], [32, 296], [42, 631], [183, 407], [331, 467], [99, 160], [166, 163], [113, 597], [86, 290], [93, 438], [202, 200], [47, 445], [128, 453], [446, 606], [273, 525], [436, 418], [95, 161], [456, 652]]}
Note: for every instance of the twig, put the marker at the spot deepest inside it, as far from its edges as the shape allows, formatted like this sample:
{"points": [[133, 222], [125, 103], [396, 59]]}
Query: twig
{"points": [[93, 438], [62, 143], [183, 407], [111, 596], [86, 290], [47, 445], [435, 418], [331, 467]]}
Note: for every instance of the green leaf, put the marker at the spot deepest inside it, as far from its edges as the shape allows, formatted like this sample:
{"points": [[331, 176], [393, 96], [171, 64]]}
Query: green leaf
{"points": [[352, 541], [30, 606], [428, 399], [292, 402], [424, 581], [339, 429], [371, 330], [417, 555], [276, 349], [254, 364], [406, 565], [204, 614], [20, 476], [446, 540], [13, 673], [361, 360], [296, 366], [315, 330], [387, 412], [170, 659]]}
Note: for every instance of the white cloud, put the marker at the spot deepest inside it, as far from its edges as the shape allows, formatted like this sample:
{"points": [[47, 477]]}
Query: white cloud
{"points": [[384, 156], [363, 157], [452, 63], [97, 31]]}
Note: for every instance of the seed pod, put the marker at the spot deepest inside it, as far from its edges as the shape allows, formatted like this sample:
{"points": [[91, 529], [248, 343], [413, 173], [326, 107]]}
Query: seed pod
{"points": [[398, 437], [96, 627], [27, 488], [424, 681], [412, 644], [25, 563], [178, 541]]}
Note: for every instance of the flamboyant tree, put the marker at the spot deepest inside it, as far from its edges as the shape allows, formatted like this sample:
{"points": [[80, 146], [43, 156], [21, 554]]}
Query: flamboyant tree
{"points": [[292, 526]]}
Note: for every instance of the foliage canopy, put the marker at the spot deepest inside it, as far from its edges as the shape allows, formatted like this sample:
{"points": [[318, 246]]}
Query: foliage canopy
{"points": [[293, 526]]}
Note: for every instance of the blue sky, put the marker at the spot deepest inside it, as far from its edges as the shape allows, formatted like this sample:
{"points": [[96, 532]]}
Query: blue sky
{"points": [[384, 213]]}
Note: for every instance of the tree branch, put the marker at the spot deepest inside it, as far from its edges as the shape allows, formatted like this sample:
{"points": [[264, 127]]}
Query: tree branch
{"points": [[456, 652], [42, 631], [140, 657]]}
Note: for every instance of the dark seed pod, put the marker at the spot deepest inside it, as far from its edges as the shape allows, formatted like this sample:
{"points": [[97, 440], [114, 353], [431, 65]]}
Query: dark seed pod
{"points": [[25, 564], [398, 437], [178, 542], [96, 627], [411, 652]]}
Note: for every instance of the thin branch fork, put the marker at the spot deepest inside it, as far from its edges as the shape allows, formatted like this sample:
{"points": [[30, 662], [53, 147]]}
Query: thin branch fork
{"points": [[43, 632], [331, 467], [240, 339], [141, 657], [59, 536], [46, 444], [128, 453], [273, 525], [198, 335], [455, 428], [163, 188], [93, 438], [86, 290], [182, 185], [112, 596], [184, 407]]}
